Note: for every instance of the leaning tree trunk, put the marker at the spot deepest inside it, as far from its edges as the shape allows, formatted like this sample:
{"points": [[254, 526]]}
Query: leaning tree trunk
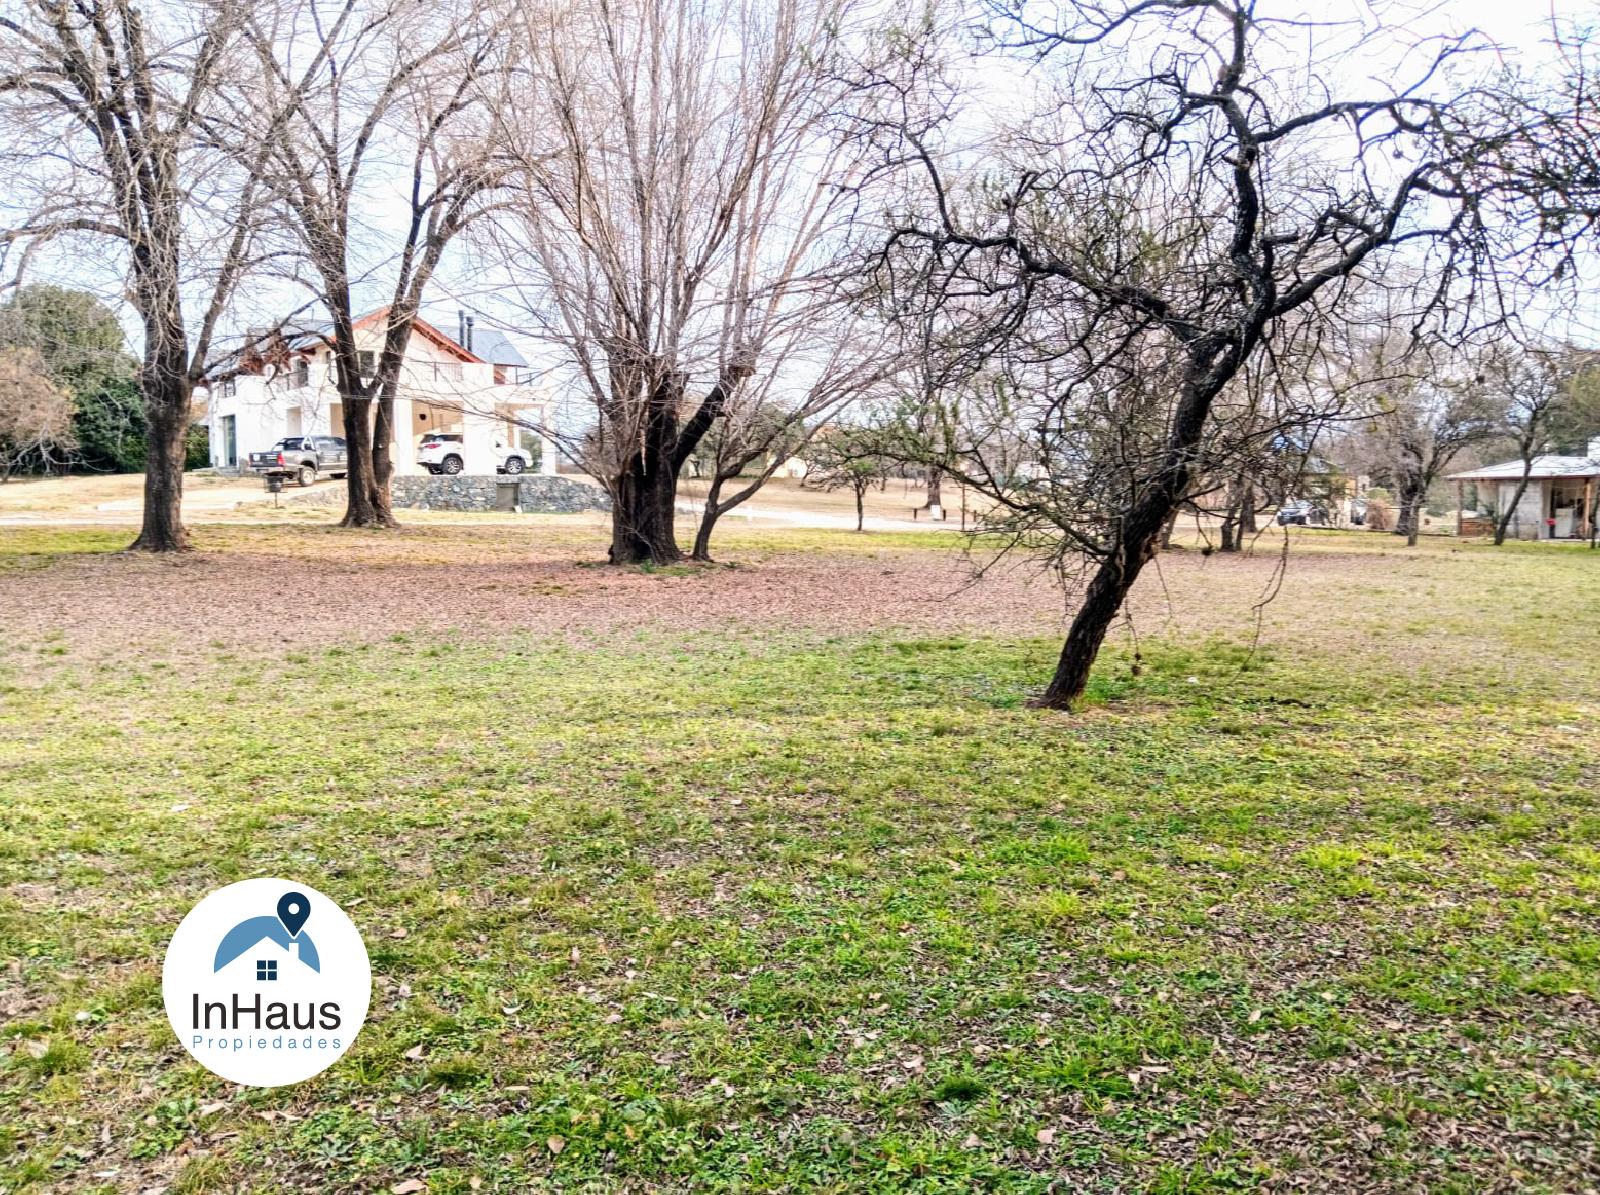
{"points": [[359, 508], [1102, 599], [1503, 523], [708, 521], [167, 395], [1138, 539], [715, 507]]}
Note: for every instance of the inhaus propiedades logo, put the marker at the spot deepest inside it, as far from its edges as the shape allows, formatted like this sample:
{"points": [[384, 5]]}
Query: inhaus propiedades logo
{"points": [[266, 982]]}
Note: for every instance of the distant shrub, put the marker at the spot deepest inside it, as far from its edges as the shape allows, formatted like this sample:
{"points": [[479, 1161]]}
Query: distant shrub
{"points": [[197, 447]]}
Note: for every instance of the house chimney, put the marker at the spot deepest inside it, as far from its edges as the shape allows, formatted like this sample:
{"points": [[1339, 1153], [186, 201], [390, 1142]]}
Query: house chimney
{"points": [[461, 327], [468, 343]]}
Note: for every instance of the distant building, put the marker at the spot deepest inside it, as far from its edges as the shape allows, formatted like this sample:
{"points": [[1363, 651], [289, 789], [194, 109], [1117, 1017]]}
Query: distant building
{"points": [[1559, 502], [285, 387]]}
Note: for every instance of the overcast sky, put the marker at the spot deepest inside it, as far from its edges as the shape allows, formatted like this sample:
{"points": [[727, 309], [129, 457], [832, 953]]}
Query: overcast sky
{"points": [[1524, 30]]}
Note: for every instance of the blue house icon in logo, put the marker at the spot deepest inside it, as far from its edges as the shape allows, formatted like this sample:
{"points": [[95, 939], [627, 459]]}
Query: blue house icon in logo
{"points": [[285, 929]]}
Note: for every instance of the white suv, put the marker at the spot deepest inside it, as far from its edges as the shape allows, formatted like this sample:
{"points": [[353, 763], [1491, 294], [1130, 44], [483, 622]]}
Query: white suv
{"points": [[446, 452]]}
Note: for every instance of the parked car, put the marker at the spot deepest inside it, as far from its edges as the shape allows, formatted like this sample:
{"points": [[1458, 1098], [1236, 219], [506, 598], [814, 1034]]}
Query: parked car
{"points": [[1302, 513], [446, 452], [302, 458]]}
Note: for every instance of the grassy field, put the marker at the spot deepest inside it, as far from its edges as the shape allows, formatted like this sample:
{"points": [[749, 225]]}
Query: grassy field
{"points": [[763, 905]]}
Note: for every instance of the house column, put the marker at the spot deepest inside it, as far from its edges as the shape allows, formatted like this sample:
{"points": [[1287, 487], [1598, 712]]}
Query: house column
{"points": [[403, 448]]}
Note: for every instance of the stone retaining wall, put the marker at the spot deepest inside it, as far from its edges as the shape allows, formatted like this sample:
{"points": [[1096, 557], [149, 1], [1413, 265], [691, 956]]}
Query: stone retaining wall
{"points": [[534, 493]]}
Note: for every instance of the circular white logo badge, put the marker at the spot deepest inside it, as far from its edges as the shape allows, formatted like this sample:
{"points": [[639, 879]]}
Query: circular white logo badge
{"points": [[266, 982]]}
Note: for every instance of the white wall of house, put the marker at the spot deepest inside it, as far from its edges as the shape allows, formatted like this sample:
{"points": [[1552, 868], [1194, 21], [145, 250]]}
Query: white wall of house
{"points": [[437, 392], [1528, 521], [1550, 508]]}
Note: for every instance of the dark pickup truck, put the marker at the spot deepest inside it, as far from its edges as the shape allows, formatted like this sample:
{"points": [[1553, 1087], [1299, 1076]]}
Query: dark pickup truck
{"points": [[302, 458]]}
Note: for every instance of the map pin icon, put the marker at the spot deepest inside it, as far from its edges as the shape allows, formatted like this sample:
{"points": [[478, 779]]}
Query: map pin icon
{"points": [[293, 909]]}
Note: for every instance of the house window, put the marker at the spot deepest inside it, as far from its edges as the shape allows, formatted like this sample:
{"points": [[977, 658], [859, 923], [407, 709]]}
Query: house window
{"points": [[302, 373], [447, 371], [266, 968]]}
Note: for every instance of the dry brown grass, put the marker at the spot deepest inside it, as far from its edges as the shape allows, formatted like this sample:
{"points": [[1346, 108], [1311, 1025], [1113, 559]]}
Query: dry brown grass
{"points": [[259, 587]]}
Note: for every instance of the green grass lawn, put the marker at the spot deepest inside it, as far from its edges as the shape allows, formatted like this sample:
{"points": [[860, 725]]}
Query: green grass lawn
{"points": [[774, 911]]}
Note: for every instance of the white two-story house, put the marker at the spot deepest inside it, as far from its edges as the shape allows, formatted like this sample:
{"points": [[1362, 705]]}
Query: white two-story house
{"points": [[473, 385]]}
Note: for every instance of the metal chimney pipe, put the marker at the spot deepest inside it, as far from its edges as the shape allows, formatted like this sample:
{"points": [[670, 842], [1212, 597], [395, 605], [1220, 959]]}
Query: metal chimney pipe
{"points": [[468, 344]]}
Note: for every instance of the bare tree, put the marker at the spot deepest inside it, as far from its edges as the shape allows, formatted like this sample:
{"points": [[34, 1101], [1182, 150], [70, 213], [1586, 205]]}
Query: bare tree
{"points": [[105, 109], [816, 370], [1194, 192], [1271, 425], [374, 127], [1534, 388], [35, 413], [1546, 150], [1436, 408], [854, 457], [679, 206]]}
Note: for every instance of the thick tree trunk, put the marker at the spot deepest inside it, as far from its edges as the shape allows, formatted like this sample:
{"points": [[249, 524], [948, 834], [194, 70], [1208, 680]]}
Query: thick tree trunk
{"points": [[644, 493], [1409, 520], [641, 519], [861, 509], [935, 500], [167, 397], [359, 508]]}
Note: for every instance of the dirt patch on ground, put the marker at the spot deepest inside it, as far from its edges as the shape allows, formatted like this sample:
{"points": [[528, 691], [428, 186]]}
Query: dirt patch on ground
{"points": [[101, 604], [290, 587]]}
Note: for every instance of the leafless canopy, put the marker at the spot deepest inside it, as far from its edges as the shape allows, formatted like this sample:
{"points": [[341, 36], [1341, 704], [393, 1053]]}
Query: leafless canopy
{"points": [[1190, 197], [677, 218], [372, 129], [104, 109]]}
